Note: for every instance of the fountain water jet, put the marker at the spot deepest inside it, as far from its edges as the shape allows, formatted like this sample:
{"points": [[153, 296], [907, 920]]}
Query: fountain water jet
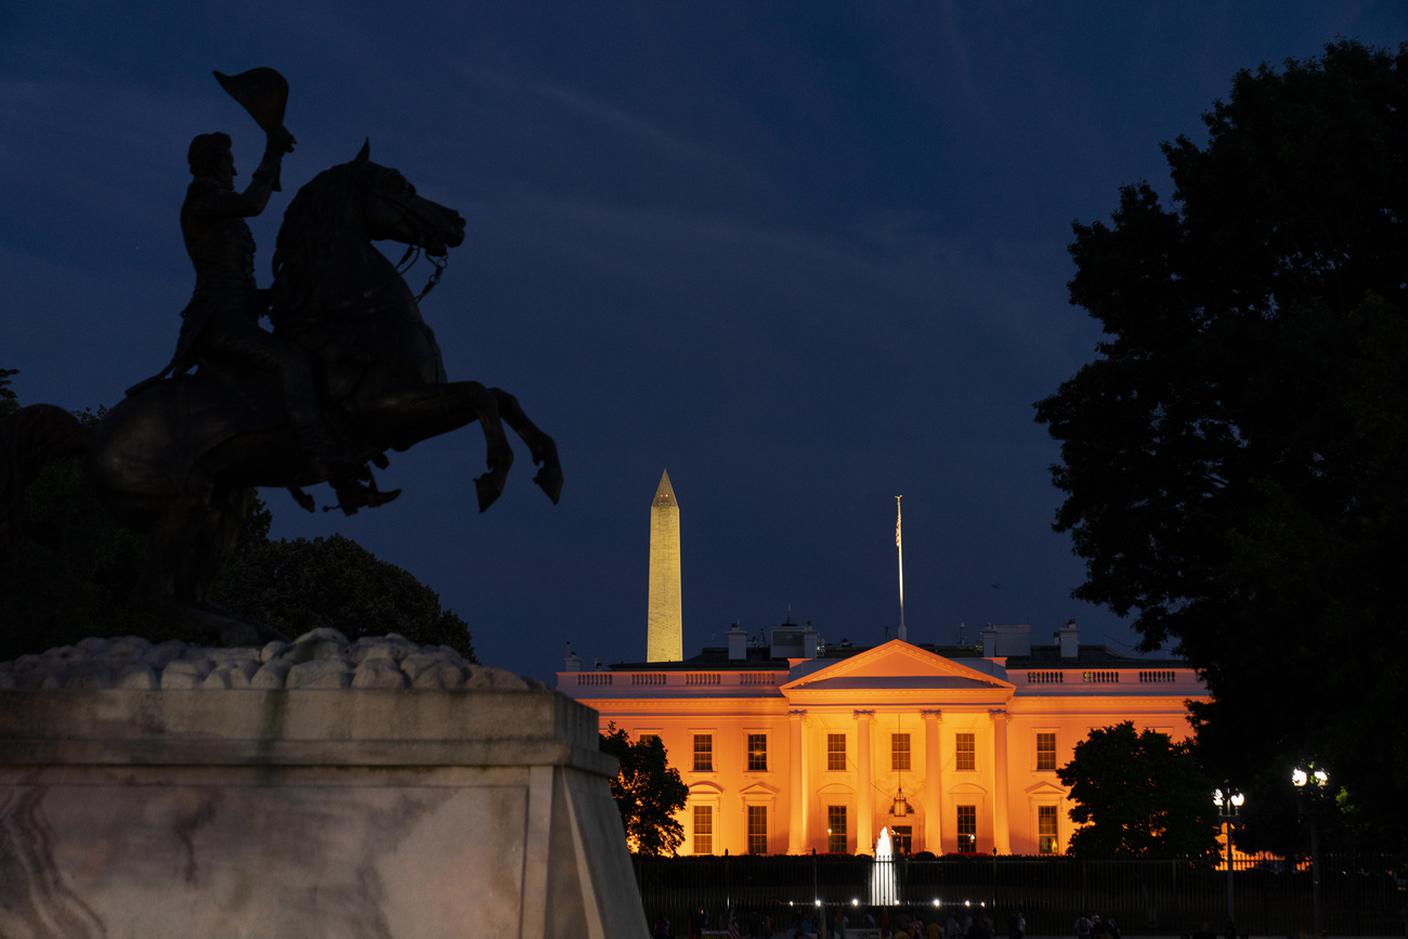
{"points": [[882, 872]]}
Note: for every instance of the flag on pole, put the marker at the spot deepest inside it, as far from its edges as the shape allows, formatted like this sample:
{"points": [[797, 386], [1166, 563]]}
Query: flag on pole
{"points": [[899, 557]]}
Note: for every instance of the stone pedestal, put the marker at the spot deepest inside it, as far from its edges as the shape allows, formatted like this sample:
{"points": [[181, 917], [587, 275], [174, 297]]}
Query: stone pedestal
{"points": [[308, 812]]}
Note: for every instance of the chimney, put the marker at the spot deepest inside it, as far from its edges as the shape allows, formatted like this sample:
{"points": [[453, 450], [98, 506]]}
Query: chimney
{"points": [[989, 641], [1069, 638], [809, 642], [571, 663], [737, 644]]}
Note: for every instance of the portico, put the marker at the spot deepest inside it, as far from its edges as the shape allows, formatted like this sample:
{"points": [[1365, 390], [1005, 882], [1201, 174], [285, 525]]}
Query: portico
{"points": [[867, 731]]}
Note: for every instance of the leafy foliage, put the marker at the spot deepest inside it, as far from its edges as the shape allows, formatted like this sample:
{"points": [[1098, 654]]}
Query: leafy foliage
{"points": [[1234, 459], [72, 573], [71, 570], [648, 792], [1138, 794], [300, 584], [9, 403]]}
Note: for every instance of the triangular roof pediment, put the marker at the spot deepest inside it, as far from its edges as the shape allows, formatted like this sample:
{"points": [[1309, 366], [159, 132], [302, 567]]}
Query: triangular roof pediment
{"points": [[897, 666], [1044, 788], [759, 789]]}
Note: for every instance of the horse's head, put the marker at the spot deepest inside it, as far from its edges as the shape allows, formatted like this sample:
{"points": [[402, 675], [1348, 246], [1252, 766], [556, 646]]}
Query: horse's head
{"points": [[321, 250], [391, 210]]}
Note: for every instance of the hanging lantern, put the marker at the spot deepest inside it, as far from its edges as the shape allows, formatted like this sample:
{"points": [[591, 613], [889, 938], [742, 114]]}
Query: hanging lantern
{"points": [[900, 806]]}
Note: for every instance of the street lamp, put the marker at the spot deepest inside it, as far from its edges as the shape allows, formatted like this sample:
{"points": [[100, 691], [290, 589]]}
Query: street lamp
{"points": [[1314, 781], [1229, 806]]}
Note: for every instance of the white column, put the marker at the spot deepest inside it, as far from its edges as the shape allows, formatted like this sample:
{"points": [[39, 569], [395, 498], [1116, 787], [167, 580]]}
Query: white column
{"points": [[865, 797], [796, 801], [1001, 837], [933, 805]]}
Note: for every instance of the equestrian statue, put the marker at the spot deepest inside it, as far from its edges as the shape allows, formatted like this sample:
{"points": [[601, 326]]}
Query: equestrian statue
{"points": [[349, 371]]}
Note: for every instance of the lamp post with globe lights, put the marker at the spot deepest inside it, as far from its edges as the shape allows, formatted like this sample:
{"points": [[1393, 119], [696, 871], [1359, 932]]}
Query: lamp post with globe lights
{"points": [[1312, 781], [1229, 807]]}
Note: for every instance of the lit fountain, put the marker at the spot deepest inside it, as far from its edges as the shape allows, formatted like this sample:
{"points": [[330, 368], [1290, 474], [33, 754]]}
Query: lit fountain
{"points": [[882, 872]]}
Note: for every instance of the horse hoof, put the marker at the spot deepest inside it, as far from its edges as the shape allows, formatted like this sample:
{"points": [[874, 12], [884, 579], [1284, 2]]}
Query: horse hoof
{"points": [[305, 501], [487, 489], [549, 479]]}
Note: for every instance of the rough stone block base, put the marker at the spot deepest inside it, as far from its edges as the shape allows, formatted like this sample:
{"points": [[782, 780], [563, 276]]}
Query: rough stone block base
{"points": [[308, 813]]}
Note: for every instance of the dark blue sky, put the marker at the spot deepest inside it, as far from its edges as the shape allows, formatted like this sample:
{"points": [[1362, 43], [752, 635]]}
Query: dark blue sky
{"points": [[806, 256]]}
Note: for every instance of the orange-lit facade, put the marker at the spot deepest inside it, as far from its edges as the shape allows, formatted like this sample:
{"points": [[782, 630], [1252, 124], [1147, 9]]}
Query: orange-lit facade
{"points": [[786, 748]]}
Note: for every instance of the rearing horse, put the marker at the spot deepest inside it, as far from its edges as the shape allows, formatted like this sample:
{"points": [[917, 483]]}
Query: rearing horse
{"points": [[181, 458], [339, 298]]}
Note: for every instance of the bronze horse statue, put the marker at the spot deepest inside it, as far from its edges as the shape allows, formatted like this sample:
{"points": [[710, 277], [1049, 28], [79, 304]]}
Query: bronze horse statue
{"points": [[181, 458]]}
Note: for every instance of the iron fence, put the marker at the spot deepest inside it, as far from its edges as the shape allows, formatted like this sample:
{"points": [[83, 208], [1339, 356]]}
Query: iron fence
{"points": [[1359, 896]]}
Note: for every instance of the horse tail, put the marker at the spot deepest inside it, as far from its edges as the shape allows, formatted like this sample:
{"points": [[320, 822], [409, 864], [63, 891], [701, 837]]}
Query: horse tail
{"points": [[30, 439]]}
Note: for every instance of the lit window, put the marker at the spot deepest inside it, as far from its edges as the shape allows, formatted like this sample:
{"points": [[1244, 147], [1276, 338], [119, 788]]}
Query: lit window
{"points": [[757, 753], [757, 829], [836, 829], [965, 752], [835, 751], [967, 829], [902, 838], [1046, 842], [1046, 751], [703, 829], [899, 751], [703, 753]]}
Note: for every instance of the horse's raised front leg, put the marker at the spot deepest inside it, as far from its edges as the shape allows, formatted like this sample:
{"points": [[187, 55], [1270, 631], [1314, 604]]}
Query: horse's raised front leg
{"points": [[540, 445], [404, 418]]}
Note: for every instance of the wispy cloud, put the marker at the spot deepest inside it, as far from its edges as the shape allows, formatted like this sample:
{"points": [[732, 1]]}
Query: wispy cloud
{"points": [[630, 126], [634, 126], [898, 279]]}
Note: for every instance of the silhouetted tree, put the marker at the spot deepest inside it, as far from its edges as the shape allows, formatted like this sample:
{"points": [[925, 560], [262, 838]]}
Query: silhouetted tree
{"points": [[1138, 794], [299, 584], [9, 403], [1234, 460], [648, 792]]}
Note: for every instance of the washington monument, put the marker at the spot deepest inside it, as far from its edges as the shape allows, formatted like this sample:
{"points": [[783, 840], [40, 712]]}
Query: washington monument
{"points": [[664, 621]]}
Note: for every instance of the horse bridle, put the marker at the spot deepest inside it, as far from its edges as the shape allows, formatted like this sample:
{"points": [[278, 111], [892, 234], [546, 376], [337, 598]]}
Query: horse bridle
{"points": [[408, 261], [414, 252]]}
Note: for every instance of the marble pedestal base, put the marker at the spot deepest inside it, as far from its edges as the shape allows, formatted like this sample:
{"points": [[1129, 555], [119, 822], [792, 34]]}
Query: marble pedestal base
{"points": [[308, 813]]}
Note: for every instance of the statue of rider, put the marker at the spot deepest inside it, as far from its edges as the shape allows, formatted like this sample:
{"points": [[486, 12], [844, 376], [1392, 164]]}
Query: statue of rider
{"points": [[220, 325]]}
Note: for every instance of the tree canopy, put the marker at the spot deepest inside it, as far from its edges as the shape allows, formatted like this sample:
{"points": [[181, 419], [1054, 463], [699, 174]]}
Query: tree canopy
{"points": [[1138, 794], [1234, 460], [299, 584], [648, 792], [70, 574], [9, 402]]}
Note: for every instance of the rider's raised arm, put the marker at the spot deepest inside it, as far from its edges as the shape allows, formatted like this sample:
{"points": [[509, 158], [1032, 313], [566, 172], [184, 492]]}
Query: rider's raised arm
{"points": [[213, 200]]}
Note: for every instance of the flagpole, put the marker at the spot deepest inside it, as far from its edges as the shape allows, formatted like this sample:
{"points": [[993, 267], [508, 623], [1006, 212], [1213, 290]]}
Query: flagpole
{"points": [[899, 550]]}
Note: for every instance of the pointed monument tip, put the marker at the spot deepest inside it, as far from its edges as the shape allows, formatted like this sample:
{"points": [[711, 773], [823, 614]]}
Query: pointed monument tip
{"points": [[665, 493]]}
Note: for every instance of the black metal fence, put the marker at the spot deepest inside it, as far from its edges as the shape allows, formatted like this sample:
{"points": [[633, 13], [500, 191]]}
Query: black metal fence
{"points": [[1359, 896]]}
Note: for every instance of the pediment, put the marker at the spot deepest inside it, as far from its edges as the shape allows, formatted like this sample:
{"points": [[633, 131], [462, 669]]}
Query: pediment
{"points": [[1044, 788], [835, 789], [897, 666], [759, 790]]}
